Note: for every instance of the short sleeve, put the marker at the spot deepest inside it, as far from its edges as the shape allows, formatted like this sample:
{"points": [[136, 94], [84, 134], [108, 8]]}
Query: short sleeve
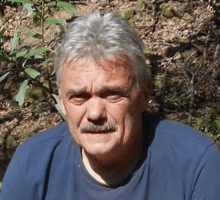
{"points": [[207, 176]]}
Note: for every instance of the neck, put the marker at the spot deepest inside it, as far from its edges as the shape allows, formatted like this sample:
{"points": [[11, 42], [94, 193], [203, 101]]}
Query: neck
{"points": [[116, 170]]}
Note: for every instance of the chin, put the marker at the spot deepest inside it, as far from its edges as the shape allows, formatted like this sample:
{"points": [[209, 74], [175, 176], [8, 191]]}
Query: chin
{"points": [[100, 150]]}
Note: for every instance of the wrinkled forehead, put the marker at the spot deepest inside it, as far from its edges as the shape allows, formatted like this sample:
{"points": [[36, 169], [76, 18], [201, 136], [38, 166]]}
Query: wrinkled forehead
{"points": [[110, 64]]}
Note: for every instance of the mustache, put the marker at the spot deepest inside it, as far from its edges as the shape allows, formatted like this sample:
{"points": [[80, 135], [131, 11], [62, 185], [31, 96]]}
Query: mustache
{"points": [[91, 128]]}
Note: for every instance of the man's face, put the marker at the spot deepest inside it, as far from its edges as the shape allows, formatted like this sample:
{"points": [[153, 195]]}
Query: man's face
{"points": [[102, 108]]}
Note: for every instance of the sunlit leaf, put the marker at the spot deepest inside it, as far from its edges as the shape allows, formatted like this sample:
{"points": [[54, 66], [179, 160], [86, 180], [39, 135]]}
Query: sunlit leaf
{"points": [[14, 41], [46, 85], [4, 76], [36, 52], [29, 6], [55, 21], [21, 54], [46, 61], [56, 98], [33, 73], [24, 63], [59, 109], [53, 3], [36, 15], [20, 96], [22, 1], [58, 105], [30, 32], [38, 56], [21, 46], [67, 6]]}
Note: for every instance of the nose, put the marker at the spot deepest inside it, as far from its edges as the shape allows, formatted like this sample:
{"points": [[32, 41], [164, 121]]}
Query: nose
{"points": [[96, 110]]}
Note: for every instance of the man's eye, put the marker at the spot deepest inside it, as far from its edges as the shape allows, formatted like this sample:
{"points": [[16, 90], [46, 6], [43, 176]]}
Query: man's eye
{"points": [[114, 97], [78, 100]]}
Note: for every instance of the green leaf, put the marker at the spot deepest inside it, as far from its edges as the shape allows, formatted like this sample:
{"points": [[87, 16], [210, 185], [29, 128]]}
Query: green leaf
{"points": [[55, 21], [36, 15], [30, 32], [45, 62], [38, 56], [4, 76], [32, 72], [59, 109], [29, 7], [0, 185], [56, 98], [36, 52], [22, 1], [2, 33], [58, 105], [67, 6], [53, 3], [14, 41], [21, 54], [22, 46], [20, 96], [46, 85]]}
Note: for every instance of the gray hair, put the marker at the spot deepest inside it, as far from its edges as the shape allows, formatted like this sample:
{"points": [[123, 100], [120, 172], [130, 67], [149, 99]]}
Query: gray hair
{"points": [[99, 37]]}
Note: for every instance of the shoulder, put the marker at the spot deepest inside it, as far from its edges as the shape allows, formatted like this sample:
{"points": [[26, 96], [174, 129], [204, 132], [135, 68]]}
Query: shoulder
{"points": [[174, 138], [189, 154], [181, 158], [51, 136], [32, 161], [181, 143], [37, 154], [42, 147], [176, 131]]}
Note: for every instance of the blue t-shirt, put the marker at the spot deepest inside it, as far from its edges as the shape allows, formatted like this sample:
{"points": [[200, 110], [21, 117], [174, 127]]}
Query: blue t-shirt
{"points": [[177, 163]]}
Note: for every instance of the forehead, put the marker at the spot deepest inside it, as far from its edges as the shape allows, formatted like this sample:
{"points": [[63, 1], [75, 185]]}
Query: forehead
{"points": [[108, 70]]}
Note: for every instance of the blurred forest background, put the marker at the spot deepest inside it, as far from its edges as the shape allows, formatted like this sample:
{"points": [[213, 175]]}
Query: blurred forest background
{"points": [[182, 50]]}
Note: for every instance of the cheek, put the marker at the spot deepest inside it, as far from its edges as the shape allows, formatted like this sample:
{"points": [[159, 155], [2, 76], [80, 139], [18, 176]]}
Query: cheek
{"points": [[133, 114], [74, 117], [117, 111], [74, 114], [119, 114]]}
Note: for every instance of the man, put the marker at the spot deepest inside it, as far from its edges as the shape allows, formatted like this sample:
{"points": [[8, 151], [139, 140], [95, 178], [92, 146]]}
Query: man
{"points": [[110, 148]]}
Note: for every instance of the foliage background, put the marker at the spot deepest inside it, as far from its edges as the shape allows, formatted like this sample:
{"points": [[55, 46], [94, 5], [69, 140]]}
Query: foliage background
{"points": [[182, 50]]}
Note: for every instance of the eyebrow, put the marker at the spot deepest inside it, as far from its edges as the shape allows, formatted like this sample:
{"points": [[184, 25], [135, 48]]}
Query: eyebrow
{"points": [[73, 92], [125, 91]]}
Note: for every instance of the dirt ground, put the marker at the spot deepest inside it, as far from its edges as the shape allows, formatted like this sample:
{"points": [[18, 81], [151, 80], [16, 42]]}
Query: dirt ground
{"points": [[166, 28]]}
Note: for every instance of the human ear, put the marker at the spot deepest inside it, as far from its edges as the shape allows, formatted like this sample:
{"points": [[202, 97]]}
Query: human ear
{"points": [[146, 89]]}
